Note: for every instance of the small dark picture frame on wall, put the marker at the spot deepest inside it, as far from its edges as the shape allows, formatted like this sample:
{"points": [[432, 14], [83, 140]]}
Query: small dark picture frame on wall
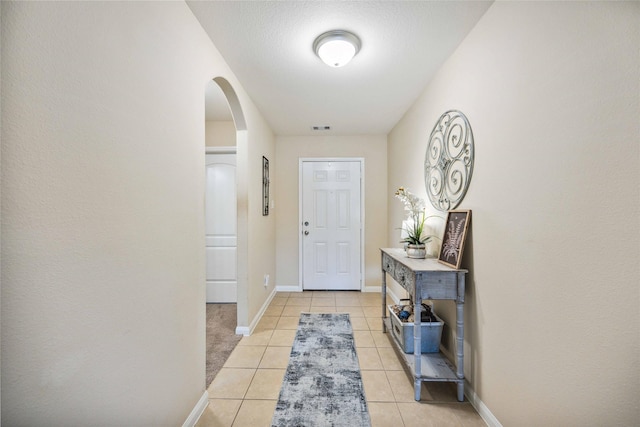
{"points": [[265, 186], [455, 233]]}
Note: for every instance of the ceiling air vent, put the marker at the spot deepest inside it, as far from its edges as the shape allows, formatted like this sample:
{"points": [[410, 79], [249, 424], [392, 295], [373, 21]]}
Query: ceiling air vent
{"points": [[320, 128]]}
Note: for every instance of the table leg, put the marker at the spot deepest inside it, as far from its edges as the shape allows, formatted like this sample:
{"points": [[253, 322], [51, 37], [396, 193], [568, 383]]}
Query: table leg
{"points": [[460, 349], [384, 300], [417, 342], [461, 391]]}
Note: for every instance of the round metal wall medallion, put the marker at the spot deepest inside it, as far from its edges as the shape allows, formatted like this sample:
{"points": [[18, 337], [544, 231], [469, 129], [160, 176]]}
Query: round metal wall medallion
{"points": [[448, 163]]}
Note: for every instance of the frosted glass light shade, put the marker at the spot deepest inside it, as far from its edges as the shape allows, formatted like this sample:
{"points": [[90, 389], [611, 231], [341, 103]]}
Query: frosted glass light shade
{"points": [[336, 48]]}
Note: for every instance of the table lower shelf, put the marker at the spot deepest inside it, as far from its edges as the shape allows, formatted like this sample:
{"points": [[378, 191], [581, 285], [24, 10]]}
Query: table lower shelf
{"points": [[434, 366]]}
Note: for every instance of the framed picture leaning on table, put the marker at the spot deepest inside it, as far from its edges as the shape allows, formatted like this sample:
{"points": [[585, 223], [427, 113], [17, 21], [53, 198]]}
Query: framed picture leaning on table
{"points": [[455, 233]]}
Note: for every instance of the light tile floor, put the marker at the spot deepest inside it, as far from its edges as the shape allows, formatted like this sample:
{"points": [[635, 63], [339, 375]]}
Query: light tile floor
{"points": [[245, 391]]}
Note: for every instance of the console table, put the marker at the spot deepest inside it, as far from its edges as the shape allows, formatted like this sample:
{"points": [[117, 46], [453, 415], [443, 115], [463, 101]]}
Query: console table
{"points": [[427, 279]]}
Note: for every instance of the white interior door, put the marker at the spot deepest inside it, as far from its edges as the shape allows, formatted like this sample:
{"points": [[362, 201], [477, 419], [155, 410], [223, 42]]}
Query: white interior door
{"points": [[331, 225], [220, 228]]}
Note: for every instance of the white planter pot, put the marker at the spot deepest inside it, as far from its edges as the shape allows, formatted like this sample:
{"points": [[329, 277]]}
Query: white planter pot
{"points": [[416, 251]]}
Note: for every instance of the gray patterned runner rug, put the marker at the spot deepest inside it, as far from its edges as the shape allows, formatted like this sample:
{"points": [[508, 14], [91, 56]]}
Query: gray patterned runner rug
{"points": [[322, 386]]}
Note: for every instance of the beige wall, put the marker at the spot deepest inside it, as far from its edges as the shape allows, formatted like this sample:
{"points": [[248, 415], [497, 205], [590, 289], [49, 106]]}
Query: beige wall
{"points": [[220, 133], [288, 151], [261, 250], [103, 211], [551, 91]]}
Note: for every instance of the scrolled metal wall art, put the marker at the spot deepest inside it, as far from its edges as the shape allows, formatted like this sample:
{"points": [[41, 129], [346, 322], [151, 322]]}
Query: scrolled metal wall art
{"points": [[448, 163]]}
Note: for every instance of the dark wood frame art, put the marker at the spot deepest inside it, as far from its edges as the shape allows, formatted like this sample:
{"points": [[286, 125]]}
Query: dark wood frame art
{"points": [[265, 186], [455, 234]]}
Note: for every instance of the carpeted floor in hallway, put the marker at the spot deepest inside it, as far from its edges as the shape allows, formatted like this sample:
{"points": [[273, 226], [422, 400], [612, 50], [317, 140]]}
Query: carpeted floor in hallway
{"points": [[221, 336]]}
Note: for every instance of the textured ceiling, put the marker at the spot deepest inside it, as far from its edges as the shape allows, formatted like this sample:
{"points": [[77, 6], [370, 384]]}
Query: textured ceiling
{"points": [[268, 46]]}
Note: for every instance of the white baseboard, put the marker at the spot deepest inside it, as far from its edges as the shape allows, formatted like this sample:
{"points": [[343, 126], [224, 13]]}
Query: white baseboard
{"points": [[482, 409], [243, 330], [297, 288], [290, 288], [473, 398], [248, 330], [197, 410], [393, 296]]}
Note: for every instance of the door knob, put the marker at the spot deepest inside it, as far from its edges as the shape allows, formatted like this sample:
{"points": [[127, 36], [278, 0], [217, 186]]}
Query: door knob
{"points": [[306, 233], [306, 223]]}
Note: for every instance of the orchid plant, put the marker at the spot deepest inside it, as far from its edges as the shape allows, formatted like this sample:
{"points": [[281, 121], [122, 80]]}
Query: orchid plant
{"points": [[413, 227]]}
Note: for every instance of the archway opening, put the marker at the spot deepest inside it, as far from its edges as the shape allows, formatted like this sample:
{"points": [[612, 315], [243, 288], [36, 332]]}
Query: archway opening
{"points": [[225, 223]]}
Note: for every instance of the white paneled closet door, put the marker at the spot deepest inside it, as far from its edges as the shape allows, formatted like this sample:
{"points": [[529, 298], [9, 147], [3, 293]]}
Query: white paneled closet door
{"points": [[221, 228]]}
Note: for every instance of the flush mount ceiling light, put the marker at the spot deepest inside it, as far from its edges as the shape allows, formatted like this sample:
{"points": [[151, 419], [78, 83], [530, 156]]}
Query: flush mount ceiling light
{"points": [[337, 47]]}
